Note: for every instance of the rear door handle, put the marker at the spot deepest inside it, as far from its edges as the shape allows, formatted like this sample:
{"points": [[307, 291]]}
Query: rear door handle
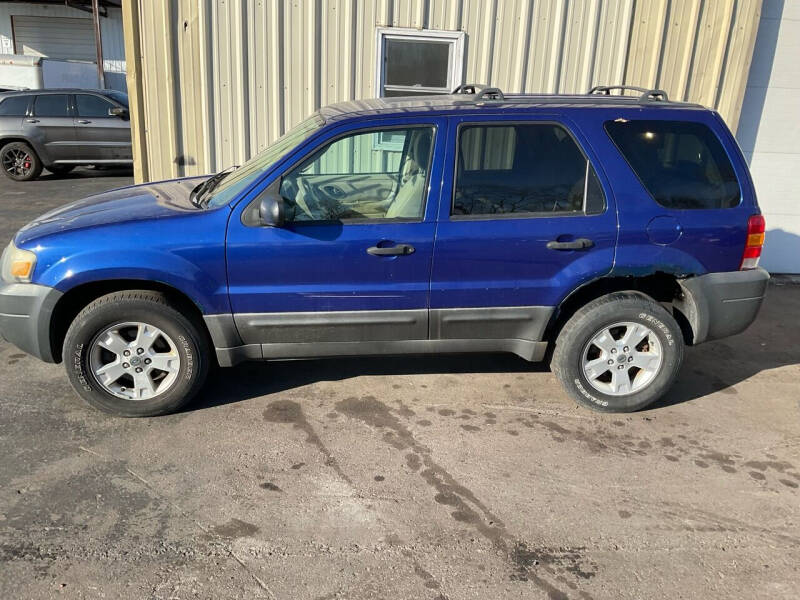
{"points": [[31, 120], [398, 250], [579, 244], [83, 121]]}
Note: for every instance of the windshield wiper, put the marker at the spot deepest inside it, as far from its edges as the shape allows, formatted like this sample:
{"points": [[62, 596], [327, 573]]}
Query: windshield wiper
{"points": [[202, 189]]}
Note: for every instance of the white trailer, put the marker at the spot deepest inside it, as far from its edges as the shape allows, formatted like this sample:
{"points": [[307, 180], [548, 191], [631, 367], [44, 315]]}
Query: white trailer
{"points": [[19, 72]]}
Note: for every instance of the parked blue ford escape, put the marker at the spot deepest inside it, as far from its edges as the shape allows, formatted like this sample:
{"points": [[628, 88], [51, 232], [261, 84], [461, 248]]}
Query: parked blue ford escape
{"points": [[612, 229]]}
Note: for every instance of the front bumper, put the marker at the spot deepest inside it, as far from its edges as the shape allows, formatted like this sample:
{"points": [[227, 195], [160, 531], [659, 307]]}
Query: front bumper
{"points": [[718, 305], [25, 311]]}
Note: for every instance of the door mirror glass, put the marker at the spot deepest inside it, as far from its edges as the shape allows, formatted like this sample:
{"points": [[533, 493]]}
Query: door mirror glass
{"points": [[271, 209], [118, 111]]}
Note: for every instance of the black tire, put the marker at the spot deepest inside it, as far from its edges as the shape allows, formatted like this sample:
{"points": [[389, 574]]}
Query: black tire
{"points": [[606, 311], [29, 169], [60, 169], [153, 309]]}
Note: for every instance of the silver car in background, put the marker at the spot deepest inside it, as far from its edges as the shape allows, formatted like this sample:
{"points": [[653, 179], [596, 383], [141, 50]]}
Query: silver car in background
{"points": [[59, 129]]}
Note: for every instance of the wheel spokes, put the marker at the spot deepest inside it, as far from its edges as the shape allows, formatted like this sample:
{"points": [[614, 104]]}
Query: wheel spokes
{"points": [[169, 363], [110, 372], [113, 342], [622, 358], [144, 361], [595, 368]]}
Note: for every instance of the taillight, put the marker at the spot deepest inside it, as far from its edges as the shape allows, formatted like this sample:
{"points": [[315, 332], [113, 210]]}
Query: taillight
{"points": [[755, 241]]}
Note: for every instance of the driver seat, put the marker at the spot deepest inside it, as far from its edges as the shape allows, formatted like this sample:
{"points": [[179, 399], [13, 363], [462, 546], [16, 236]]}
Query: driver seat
{"points": [[408, 201]]}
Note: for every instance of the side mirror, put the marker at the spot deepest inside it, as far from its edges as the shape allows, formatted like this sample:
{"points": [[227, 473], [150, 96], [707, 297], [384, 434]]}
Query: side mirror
{"points": [[271, 210], [118, 111]]}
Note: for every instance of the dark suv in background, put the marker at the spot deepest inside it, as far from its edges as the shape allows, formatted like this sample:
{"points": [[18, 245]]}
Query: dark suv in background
{"points": [[60, 129]]}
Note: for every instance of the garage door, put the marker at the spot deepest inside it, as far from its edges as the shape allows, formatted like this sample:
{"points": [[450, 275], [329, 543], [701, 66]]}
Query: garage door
{"points": [[54, 37]]}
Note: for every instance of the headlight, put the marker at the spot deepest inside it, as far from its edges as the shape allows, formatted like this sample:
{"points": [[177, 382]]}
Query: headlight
{"points": [[16, 264]]}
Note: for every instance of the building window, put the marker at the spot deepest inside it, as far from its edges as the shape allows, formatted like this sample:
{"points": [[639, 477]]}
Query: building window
{"points": [[414, 62]]}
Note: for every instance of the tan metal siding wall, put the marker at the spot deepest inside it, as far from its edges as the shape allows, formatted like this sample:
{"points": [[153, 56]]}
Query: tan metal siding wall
{"points": [[223, 78]]}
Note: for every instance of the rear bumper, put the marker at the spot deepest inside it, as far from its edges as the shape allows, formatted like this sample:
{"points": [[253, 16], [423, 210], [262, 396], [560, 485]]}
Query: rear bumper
{"points": [[25, 311], [718, 305]]}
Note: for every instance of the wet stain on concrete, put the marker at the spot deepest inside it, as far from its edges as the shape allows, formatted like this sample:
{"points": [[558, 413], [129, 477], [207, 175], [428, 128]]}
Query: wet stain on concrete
{"points": [[268, 485], [624, 514], [789, 483], [671, 458], [291, 413], [757, 475], [723, 461], [379, 478], [299, 465], [468, 508], [413, 461], [701, 464], [763, 465], [447, 412], [470, 428], [235, 528]]}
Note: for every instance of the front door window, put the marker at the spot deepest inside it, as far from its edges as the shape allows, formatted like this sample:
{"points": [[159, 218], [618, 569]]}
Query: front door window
{"points": [[352, 179]]}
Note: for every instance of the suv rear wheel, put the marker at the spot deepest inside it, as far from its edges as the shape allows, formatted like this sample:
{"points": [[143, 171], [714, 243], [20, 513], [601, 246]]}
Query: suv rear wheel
{"points": [[131, 354], [19, 162], [619, 353]]}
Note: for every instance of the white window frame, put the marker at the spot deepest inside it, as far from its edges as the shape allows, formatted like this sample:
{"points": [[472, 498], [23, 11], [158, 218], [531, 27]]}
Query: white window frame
{"points": [[455, 40], [455, 63]]}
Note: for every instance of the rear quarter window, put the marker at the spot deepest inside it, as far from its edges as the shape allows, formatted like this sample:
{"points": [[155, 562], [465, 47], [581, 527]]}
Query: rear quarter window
{"points": [[681, 164]]}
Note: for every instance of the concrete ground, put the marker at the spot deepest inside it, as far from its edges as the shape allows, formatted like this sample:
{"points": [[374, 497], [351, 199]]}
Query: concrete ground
{"points": [[452, 477]]}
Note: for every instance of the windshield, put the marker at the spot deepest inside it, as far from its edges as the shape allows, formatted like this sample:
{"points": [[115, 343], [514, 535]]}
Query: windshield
{"points": [[238, 180]]}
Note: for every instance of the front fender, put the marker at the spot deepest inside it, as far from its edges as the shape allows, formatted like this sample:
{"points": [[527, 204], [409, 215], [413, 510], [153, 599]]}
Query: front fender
{"points": [[202, 281]]}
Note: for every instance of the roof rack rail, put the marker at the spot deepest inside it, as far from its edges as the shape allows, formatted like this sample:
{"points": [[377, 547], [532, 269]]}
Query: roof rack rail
{"points": [[647, 95], [480, 91]]}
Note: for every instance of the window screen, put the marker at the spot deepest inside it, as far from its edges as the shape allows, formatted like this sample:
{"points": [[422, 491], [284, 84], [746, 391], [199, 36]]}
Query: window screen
{"points": [[15, 106], [413, 62], [51, 105], [683, 165], [519, 169], [92, 106]]}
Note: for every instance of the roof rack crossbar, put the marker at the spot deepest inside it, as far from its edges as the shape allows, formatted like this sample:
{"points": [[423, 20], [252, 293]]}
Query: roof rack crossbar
{"points": [[647, 95], [480, 91], [469, 88]]}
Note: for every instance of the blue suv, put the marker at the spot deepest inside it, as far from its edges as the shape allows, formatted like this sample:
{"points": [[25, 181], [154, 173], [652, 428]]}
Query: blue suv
{"points": [[601, 231]]}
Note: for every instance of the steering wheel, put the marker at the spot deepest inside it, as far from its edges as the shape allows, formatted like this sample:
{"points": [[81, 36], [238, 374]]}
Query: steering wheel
{"points": [[307, 199]]}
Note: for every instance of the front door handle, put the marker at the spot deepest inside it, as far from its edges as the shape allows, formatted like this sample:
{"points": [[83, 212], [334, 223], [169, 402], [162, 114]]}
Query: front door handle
{"points": [[579, 244], [398, 250], [31, 120], [83, 121]]}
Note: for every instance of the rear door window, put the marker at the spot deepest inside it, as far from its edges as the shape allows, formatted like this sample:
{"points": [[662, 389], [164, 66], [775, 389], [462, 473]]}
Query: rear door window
{"points": [[525, 170], [51, 105], [681, 164], [15, 106]]}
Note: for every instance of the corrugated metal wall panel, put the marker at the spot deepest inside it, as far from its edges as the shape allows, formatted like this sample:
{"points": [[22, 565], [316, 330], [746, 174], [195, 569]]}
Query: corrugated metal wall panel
{"points": [[223, 78]]}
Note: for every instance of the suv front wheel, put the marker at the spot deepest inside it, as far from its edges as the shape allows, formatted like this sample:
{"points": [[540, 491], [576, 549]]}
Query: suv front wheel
{"points": [[132, 354], [619, 353]]}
